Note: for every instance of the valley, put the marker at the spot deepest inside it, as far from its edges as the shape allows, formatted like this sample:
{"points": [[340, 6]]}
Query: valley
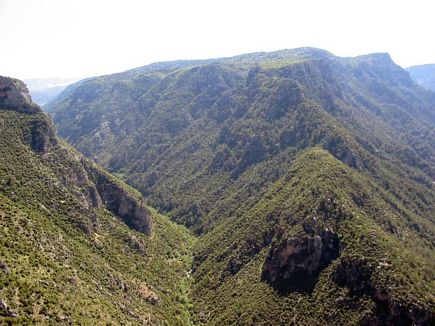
{"points": [[272, 188]]}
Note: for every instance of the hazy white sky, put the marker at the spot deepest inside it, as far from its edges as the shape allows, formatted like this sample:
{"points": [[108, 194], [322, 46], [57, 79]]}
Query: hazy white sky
{"points": [[80, 38]]}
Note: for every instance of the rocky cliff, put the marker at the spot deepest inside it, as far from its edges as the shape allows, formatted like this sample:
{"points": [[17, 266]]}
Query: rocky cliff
{"points": [[14, 95]]}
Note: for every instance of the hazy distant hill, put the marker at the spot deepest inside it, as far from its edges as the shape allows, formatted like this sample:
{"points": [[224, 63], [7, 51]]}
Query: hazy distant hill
{"points": [[43, 90], [424, 75], [308, 177]]}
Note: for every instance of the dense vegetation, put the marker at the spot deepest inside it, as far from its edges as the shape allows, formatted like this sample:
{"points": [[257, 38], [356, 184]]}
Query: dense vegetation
{"points": [[263, 267], [65, 258], [308, 177], [182, 136]]}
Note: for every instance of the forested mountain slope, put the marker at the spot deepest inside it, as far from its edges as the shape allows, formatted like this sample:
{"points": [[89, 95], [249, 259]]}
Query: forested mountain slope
{"points": [[308, 176], [77, 245], [184, 135]]}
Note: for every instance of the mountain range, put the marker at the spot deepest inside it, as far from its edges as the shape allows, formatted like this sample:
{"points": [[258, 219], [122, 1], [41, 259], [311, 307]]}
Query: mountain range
{"points": [[305, 179], [424, 75], [43, 90]]}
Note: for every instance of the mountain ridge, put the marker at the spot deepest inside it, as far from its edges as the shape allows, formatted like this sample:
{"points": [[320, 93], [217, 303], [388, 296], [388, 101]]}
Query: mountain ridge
{"points": [[297, 70], [307, 177], [297, 260], [424, 75]]}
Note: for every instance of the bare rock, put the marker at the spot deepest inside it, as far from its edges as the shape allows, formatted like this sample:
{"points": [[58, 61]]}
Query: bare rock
{"points": [[148, 295], [153, 299], [4, 267], [3, 305], [299, 257], [118, 200], [136, 244], [14, 95], [5, 310]]}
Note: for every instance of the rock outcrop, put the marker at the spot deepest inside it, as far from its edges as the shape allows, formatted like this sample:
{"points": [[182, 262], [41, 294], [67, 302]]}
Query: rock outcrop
{"points": [[100, 190], [357, 275], [120, 202], [5, 310], [14, 95], [299, 257], [43, 135]]}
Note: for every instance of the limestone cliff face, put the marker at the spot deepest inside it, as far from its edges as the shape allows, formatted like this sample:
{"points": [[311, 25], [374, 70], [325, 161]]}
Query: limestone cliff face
{"points": [[98, 189], [42, 135], [14, 95], [119, 201], [299, 257]]}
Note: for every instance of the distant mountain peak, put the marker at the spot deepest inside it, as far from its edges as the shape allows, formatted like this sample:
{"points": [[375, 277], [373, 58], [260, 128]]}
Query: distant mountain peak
{"points": [[315, 52], [14, 95], [378, 56], [380, 60], [424, 75]]}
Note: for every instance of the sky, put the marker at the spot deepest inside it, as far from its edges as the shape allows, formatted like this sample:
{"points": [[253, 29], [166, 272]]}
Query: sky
{"points": [[82, 38]]}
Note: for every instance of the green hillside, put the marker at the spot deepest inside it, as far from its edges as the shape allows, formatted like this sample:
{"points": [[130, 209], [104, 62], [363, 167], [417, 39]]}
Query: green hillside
{"points": [[307, 177], [317, 247], [67, 254], [187, 137]]}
